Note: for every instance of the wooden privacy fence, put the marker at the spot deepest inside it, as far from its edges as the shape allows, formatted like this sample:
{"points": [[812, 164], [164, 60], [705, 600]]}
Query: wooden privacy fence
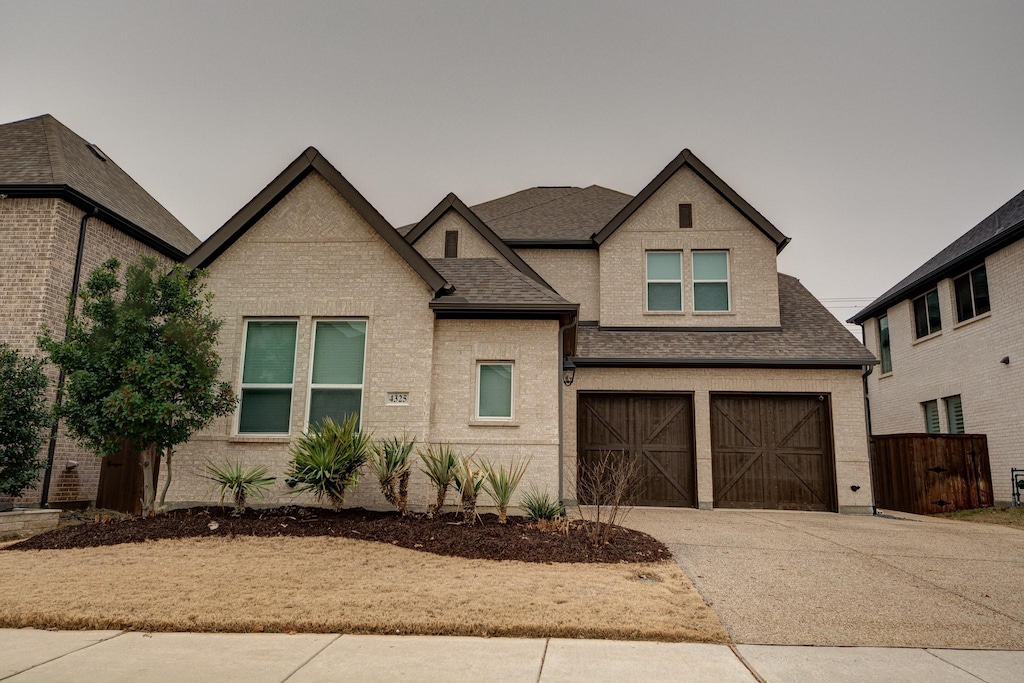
{"points": [[121, 480], [927, 473]]}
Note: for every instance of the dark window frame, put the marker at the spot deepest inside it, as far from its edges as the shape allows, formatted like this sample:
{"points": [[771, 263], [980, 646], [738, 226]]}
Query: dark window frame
{"points": [[971, 294], [927, 317], [884, 343], [451, 244], [686, 215]]}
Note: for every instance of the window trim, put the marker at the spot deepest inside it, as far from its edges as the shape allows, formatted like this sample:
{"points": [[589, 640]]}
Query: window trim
{"points": [[648, 281], [309, 380], [938, 416], [974, 302], [913, 312], [695, 281], [949, 423], [242, 385], [688, 212], [511, 389], [881, 347]]}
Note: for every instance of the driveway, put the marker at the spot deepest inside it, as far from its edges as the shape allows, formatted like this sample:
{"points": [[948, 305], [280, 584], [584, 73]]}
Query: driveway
{"points": [[807, 578]]}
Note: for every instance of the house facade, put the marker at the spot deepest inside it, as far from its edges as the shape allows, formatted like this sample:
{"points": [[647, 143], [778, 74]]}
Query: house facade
{"points": [[950, 336], [65, 208], [729, 382]]}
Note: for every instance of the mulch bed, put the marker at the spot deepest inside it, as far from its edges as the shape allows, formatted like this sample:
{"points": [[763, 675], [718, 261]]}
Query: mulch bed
{"points": [[519, 539]]}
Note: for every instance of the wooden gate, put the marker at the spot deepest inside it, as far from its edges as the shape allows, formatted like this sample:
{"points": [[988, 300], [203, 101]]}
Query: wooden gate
{"points": [[927, 473], [772, 451], [121, 483], [657, 428]]}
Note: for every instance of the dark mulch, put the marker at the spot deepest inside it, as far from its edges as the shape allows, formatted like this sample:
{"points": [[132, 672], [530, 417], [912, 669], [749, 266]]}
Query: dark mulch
{"points": [[519, 539]]}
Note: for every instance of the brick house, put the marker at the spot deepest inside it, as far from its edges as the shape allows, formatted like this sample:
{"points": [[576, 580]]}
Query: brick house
{"points": [[950, 337], [553, 323], [65, 208]]}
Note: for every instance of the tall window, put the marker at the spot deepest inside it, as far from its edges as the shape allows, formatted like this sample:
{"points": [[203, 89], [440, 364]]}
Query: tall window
{"points": [[931, 416], [971, 294], [954, 414], [664, 281], [711, 281], [926, 314], [336, 380], [268, 374], [884, 350], [494, 390], [451, 243]]}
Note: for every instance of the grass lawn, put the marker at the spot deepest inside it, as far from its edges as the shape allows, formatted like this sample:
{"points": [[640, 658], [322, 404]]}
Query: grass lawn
{"points": [[1012, 517], [319, 584]]}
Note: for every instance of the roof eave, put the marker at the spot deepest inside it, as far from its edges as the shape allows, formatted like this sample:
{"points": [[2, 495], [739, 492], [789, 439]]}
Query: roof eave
{"points": [[695, 362]]}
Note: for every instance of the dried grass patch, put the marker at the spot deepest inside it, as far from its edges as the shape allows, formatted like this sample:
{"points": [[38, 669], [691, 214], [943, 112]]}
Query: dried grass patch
{"points": [[321, 584]]}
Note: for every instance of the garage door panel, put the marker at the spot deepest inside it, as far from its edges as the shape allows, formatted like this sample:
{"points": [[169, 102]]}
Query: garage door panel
{"points": [[739, 476]]}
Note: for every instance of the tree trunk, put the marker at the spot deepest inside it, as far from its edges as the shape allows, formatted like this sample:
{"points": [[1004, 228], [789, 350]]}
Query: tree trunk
{"points": [[168, 454], [403, 493], [148, 490]]}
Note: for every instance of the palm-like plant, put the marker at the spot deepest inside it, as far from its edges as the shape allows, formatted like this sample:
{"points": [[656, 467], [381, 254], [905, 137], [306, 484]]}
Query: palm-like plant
{"points": [[439, 461], [468, 480], [540, 506], [326, 460], [240, 482], [390, 462], [501, 482]]}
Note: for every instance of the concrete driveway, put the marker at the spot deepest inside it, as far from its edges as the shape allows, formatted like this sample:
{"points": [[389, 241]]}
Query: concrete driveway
{"points": [[806, 578]]}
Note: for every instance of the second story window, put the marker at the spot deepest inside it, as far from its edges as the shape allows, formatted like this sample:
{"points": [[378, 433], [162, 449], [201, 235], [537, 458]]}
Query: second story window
{"points": [[711, 281], [926, 314], [884, 349], [664, 281], [971, 291]]}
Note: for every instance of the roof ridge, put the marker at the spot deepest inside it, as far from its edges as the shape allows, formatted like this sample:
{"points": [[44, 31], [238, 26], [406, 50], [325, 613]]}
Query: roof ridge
{"points": [[54, 150]]}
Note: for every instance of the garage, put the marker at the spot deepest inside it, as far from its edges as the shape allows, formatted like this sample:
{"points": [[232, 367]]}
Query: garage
{"points": [[772, 451], [655, 427]]}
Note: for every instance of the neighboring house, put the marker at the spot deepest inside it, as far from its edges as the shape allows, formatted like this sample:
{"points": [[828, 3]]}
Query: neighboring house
{"points": [[732, 383], [951, 339], [65, 208]]}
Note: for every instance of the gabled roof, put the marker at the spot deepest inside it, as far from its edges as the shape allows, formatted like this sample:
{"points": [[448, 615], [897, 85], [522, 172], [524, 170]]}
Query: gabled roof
{"points": [[41, 157], [552, 214], [493, 282], [307, 162], [808, 336], [453, 203], [689, 159], [1003, 227]]}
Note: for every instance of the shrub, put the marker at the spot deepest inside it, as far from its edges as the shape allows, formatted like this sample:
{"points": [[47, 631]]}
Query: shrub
{"points": [[501, 483], [603, 485], [440, 462], [390, 462], [240, 482], [541, 507], [23, 416], [327, 458], [468, 480]]}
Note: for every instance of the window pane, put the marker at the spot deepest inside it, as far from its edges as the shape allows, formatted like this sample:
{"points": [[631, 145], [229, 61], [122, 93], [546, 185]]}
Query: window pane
{"points": [[710, 265], [664, 296], [338, 404], [885, 351], [964, 304], [931, 417], [338, 356], [980, 279], [269, 352], [495, 391], [955, 415], [664, 265], [710, 296], [934, 319], [920, 318], [264, 411]]}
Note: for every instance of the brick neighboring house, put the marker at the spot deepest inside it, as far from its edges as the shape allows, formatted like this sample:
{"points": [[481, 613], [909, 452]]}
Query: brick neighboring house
{"points": [[951, 339], [730, 381], [65, 208]]}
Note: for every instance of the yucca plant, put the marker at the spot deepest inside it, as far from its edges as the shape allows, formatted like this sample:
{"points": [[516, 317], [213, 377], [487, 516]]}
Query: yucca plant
{"points": [[501, 482], [327, 458], [240, 482], [390, 462], [540, 506], [439, 461], [468, 480]]}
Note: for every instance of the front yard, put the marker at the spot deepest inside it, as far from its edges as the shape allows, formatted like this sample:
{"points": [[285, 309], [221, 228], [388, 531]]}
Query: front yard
{"points": [[1011, 517]]}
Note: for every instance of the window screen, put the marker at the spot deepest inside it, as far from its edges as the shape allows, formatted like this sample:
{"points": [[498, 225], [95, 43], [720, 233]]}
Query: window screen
{"points": [[955, 415], [336, 389], [268, 371], [931, 417], [664, 281], [711, 281], [494, 390]]}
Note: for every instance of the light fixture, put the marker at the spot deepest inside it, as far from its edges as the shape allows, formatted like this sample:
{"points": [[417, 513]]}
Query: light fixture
{"points": [[1005, 360], [568, 371]]}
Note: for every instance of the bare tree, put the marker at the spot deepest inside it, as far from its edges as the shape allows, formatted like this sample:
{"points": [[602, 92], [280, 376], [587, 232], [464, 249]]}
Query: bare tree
{"points": [[604, 487]]}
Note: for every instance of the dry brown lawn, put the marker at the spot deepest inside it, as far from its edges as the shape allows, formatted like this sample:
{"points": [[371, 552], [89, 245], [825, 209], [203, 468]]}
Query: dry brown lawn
{"points": [[1011, 517], [341, 585]]}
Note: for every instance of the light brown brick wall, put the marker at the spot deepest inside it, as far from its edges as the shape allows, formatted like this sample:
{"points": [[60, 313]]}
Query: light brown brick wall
{"points": [[574, 273], [471, 243], [963, 359]]}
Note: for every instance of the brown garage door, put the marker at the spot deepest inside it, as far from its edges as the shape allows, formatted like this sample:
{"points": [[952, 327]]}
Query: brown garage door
{"points": [[657, 428], [772, 451]]}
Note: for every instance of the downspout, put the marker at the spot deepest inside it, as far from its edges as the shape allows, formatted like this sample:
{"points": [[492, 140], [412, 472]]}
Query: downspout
{"points": [[561, 457], [51, 449], [867, 420]]}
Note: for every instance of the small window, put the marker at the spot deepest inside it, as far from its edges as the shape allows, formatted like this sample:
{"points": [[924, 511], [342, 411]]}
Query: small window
{"points": [[451, 244], [931, 416], [884, 349], [926, 314], [711, 281], [971, 294], [268, 374], [686, 215], [664, 281], [954, 414], [336, 379], [494, 390]]}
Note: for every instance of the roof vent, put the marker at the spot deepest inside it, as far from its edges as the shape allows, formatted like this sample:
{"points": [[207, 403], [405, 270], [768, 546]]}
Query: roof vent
{"points": [[96, 150]]}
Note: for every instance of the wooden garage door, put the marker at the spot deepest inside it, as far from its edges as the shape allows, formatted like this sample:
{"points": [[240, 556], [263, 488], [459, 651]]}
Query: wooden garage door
{"points": [[772, 451], [657, 428]]}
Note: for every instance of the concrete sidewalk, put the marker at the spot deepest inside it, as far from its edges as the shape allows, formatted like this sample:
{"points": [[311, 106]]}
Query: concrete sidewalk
{"points": [[112, 656]]}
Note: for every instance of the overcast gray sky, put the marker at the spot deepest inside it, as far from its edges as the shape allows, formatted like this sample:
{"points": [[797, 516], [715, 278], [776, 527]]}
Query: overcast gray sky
{"points": [[872, 133]]}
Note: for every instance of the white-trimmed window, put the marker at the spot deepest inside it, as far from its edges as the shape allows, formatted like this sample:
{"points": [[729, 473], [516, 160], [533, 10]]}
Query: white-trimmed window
{"points": [[268, 376], [664, 281], [711, 281], [336, 371], [494, 382]]}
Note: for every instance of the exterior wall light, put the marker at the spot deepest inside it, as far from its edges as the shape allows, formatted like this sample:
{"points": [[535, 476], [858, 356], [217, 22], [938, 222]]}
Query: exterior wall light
{"points": [[568, 371]]}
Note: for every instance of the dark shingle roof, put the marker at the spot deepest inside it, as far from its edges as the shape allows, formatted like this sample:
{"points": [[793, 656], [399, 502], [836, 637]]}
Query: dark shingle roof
{"points": [[493, 282], [808, 336], [552, 213], [1002, 227], [42, 151]]}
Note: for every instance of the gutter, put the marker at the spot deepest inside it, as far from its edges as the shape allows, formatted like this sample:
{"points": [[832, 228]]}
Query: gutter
{"points": [[692, 362]]}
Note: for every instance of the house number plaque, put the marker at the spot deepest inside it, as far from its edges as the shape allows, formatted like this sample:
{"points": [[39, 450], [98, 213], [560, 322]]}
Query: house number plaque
{"points": [[398, 398]]}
